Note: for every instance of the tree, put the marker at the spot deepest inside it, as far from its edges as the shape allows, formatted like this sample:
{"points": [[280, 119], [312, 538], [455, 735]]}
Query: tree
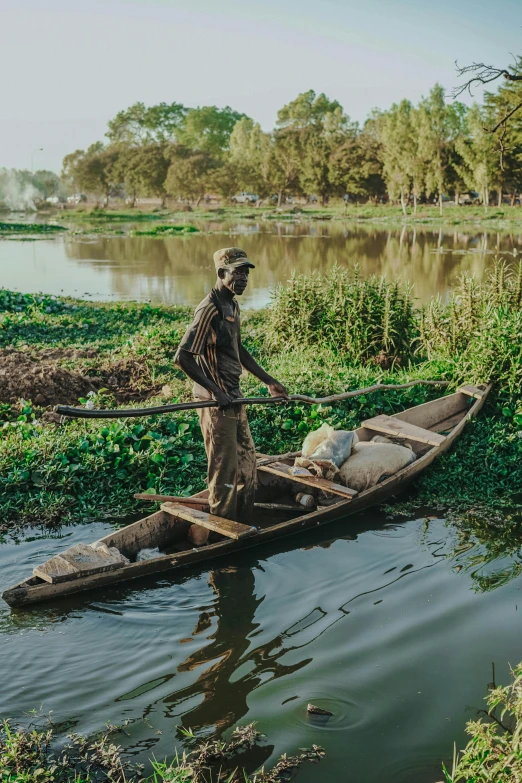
{"points": [[355, 166], [140, 124], [286, 161], [190, 174], [46, 182], [251, 156], [143, 170], [437, 131], [92, 171], [306, 110], [319, 126], [509, 137], [208, 129], [479, 153], [398, 150]]}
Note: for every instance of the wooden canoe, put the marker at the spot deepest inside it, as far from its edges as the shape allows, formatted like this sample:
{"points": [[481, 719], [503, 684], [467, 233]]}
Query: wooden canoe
{"points": [[430, 429]]}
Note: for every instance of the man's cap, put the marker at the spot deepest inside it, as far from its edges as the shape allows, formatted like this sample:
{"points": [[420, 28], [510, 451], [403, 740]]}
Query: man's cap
{"points": [[231, 258]]}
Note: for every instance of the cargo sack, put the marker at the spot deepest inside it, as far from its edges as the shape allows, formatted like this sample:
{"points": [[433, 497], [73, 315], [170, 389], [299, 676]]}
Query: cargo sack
{"points": [[372, 462]]}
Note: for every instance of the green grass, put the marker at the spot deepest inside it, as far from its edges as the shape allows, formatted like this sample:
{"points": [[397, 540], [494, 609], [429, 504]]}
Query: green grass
{"points": [[495, 218]]}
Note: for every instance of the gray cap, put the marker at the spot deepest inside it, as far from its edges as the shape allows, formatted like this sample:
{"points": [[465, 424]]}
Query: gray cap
{"points": [[231, 258]]}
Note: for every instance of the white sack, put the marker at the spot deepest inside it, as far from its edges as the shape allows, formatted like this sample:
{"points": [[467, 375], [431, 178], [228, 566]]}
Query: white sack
{"points": [[336, 448], [315, 438]]}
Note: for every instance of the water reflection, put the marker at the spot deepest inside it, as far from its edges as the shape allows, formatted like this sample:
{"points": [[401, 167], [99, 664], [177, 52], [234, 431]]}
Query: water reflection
{"points": [[179, 270]]}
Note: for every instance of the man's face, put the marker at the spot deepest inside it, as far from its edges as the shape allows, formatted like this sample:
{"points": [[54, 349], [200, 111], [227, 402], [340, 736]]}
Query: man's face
{"points": [[236, 280]]}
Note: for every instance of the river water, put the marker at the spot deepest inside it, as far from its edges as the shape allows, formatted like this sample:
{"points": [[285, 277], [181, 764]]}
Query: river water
{"points": [[392, 626], [179, 270]]}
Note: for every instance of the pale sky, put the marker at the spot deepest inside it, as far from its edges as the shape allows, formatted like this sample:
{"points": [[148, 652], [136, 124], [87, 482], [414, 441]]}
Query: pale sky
{"points": [[68, 66]]}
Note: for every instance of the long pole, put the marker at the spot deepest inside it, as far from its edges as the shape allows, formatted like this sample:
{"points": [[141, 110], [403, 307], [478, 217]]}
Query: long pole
{"points": [[125, 413]]}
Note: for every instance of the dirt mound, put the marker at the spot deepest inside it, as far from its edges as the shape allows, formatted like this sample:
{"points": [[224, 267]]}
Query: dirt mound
{"points": [[38, 378], [127, 379], [40, 382]]}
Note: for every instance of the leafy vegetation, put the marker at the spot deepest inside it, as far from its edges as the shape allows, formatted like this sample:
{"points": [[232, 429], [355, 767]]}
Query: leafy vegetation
{"points": [[343, 333], [29, 755], [493, 752]]}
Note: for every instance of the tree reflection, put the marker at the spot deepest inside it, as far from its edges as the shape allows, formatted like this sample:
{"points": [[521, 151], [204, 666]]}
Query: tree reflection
{"points": [[179, 270]]}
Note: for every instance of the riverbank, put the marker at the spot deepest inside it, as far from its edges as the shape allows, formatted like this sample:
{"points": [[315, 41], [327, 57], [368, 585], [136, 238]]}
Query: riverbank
{"points": [[57, 350], [502, 217]]}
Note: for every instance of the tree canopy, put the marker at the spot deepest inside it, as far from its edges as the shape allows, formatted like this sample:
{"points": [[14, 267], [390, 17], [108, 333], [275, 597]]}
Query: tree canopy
{"points": [[422, 152]]}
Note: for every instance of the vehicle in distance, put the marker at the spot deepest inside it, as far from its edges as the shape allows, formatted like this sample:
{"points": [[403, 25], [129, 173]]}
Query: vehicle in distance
{"points": [[245, 198]]}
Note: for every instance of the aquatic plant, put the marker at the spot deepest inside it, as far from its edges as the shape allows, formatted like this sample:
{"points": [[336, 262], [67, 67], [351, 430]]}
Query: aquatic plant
{"points": [[29, 755], [11, 229], [494, 752], [165, 231]]}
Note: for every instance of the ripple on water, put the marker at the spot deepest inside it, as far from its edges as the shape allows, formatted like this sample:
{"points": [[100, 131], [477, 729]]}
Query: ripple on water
{"points": [[346, 713]]}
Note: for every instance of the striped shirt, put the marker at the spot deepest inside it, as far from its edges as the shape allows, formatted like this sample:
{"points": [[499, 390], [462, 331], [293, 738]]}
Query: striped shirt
{"points": [[215, 339]]}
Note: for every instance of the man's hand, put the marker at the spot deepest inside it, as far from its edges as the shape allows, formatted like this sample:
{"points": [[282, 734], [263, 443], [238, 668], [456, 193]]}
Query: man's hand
{"points": [[222, 399], [277, 389]]}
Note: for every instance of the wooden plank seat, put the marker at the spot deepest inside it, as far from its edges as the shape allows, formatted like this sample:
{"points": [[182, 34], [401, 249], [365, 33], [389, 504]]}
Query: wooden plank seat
{"points": [[285, 471], [389, 425], [80, 560], [472, 391], [226, 527]]}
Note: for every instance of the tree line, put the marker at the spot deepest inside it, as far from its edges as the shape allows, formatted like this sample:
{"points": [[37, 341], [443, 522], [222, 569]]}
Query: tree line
{"points": [[408, 153]]}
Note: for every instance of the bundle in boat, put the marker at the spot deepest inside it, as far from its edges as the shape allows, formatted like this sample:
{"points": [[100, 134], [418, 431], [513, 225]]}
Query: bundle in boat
{"points": [[339, 456]]}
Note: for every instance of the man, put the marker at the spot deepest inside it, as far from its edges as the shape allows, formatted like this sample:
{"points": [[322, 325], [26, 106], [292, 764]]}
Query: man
{"points": [[212, 355]]}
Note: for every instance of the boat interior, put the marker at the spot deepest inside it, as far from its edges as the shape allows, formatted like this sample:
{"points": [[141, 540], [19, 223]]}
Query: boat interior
{"points": [[277, 494]]}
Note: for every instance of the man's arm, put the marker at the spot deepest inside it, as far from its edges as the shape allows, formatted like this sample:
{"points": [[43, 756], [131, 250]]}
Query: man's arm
{"points": [[186, 361], [275, 388]]}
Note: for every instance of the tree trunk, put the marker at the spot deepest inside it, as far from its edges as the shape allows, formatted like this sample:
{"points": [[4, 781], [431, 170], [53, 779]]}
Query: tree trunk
{"points": [[457, 198], [403, 205], [198, 200], [513, 198], [486, 198], [414, 203], [440, 204], [499, 203], [279, 198]]}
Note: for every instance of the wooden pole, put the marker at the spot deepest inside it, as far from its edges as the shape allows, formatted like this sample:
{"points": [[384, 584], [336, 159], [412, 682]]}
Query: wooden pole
{"points": [[123, 413]]}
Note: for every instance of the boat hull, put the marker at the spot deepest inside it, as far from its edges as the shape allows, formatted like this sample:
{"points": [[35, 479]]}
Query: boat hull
{"points": [[150, 531]]}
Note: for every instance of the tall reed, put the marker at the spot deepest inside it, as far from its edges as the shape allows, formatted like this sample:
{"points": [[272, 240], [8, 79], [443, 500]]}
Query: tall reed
{"points": [[477, 331], [361, 319]]}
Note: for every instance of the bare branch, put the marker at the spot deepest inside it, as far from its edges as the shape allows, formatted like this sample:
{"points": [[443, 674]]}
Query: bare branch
{"points": [[480, 73], [504, 119]]}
